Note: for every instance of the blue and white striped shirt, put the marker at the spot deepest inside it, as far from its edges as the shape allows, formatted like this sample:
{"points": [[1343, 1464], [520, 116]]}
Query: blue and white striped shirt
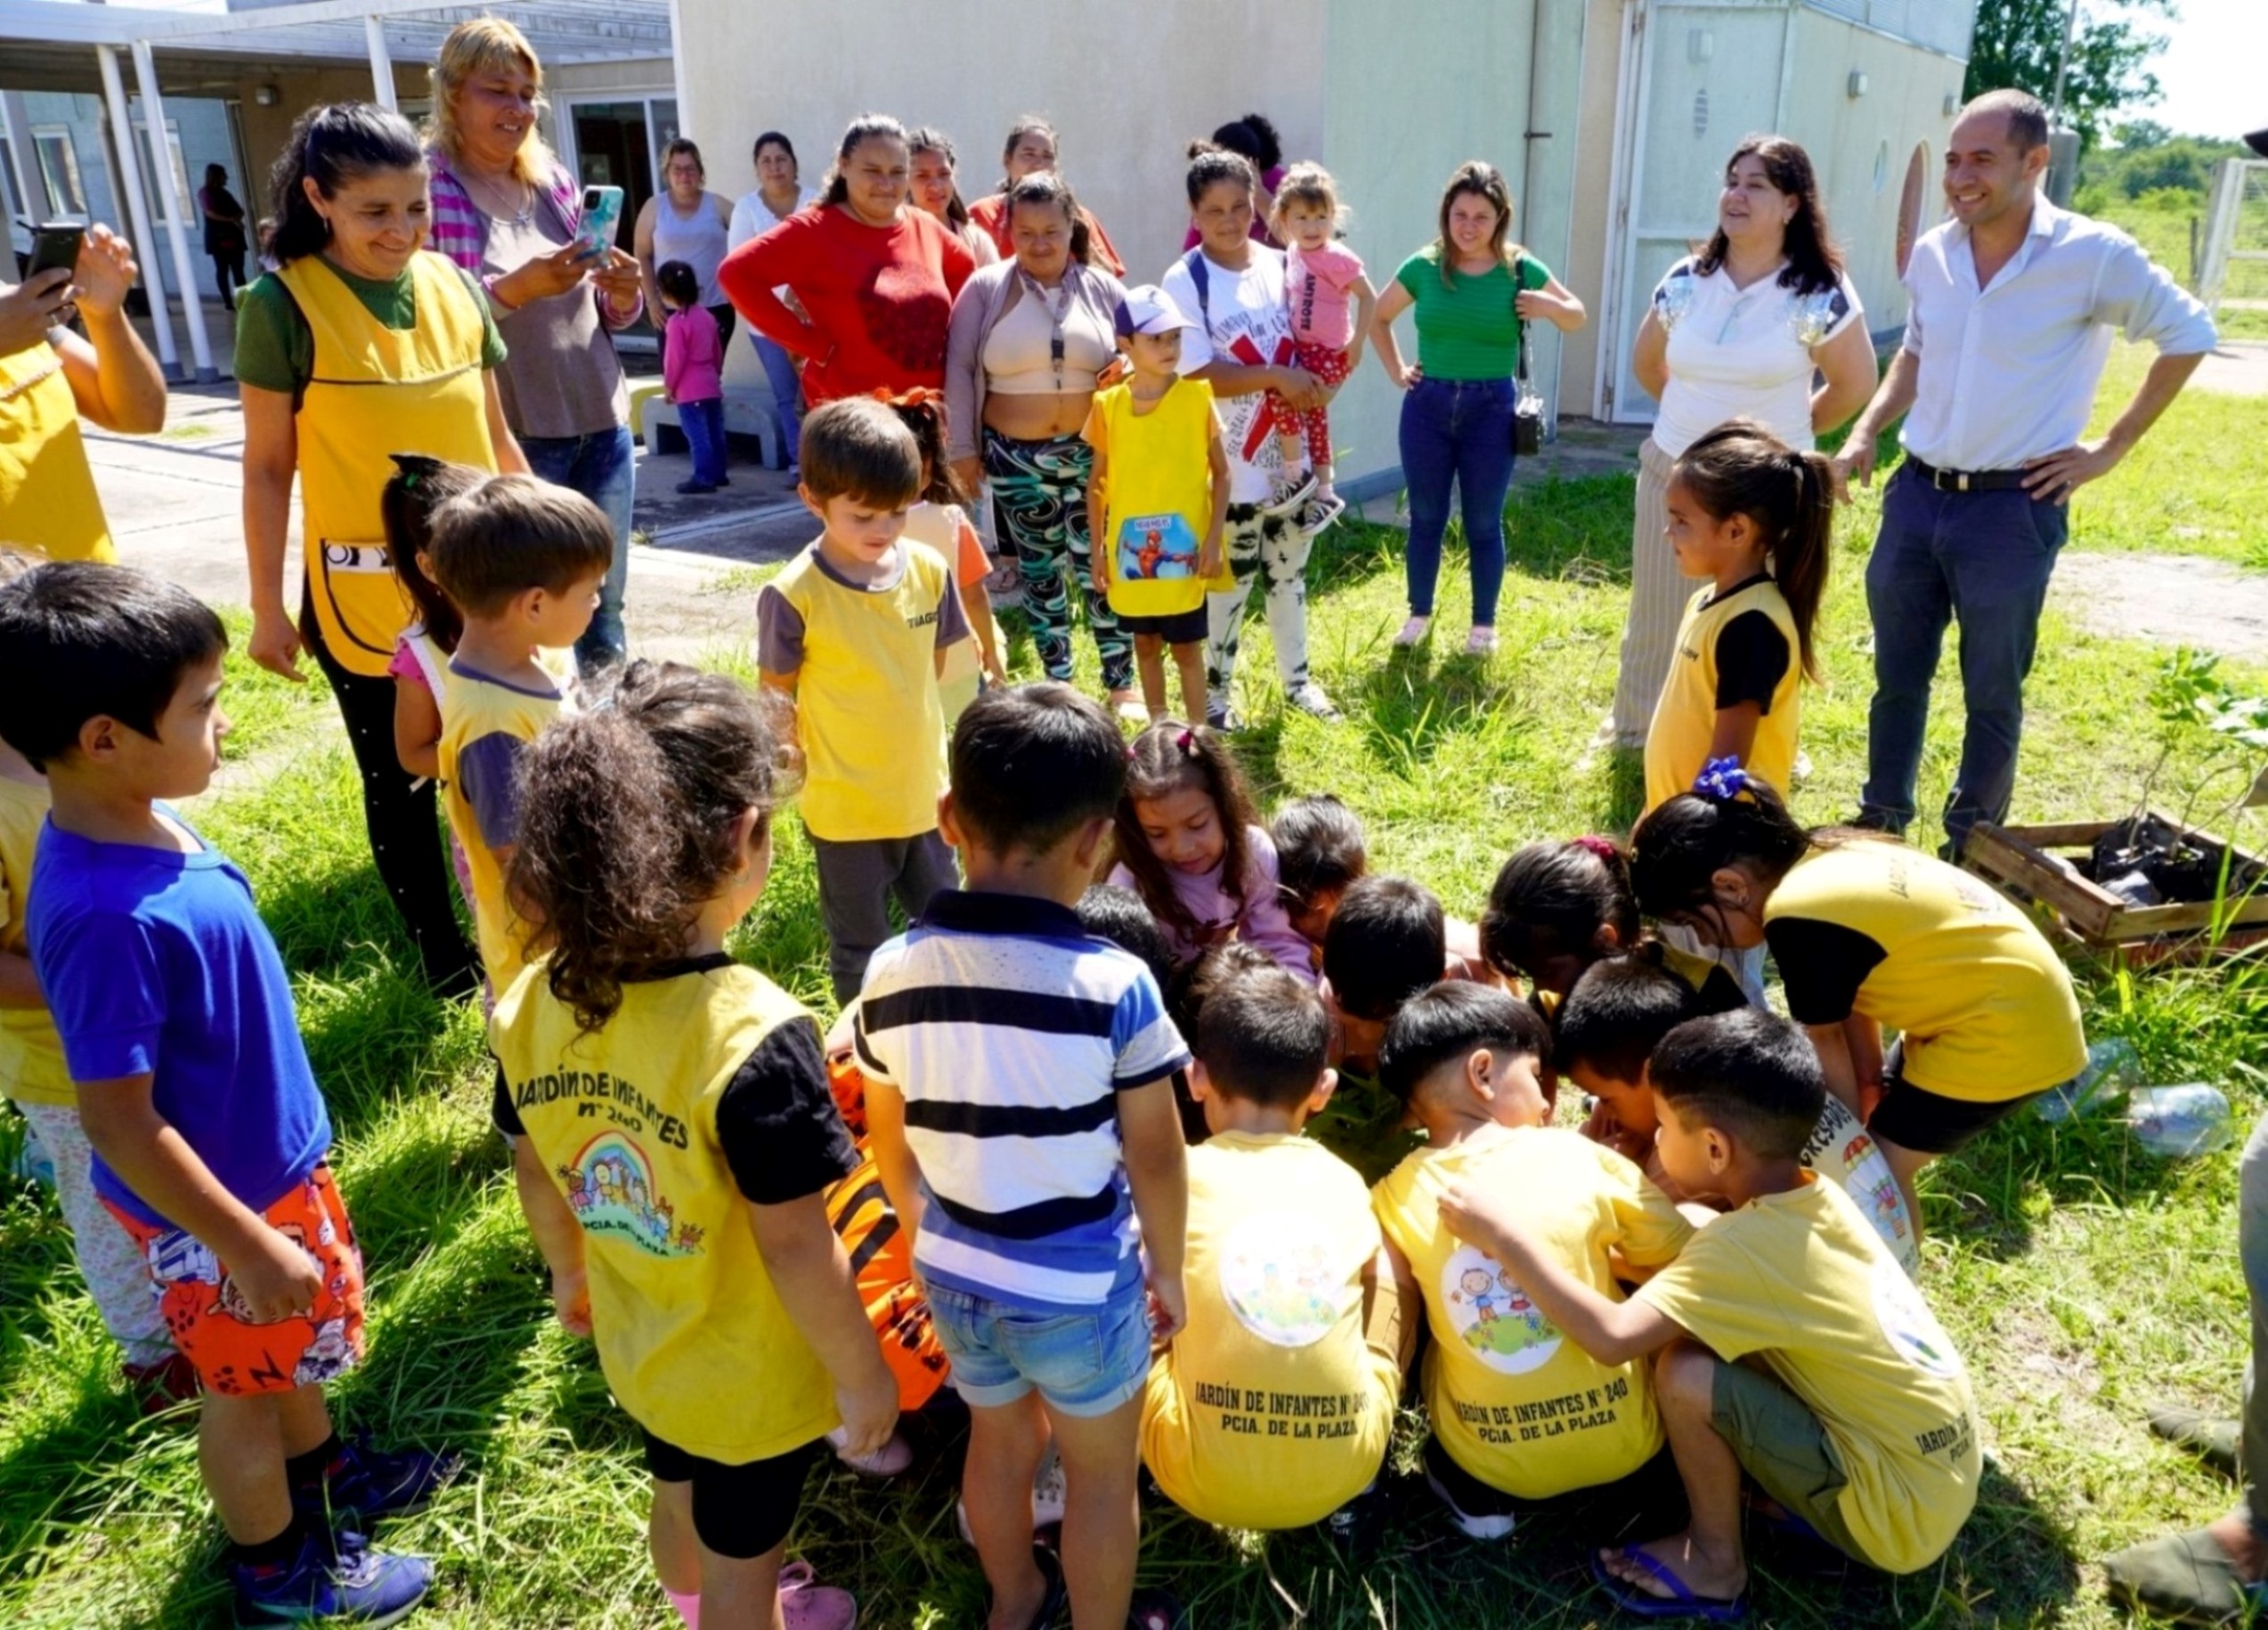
{"points": [[1010, 1030]]}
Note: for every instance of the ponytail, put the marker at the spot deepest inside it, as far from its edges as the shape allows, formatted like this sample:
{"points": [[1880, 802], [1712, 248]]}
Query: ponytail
{"points": [[331, 145], [1740, 468], [627, 825], [922, 411]]}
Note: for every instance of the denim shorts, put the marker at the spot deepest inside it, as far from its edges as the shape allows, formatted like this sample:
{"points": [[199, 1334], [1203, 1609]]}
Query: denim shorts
{"points": [[1086, 1363]]}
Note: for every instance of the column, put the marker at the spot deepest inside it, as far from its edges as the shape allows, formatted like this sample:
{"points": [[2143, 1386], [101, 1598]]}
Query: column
{"points": [[177, 212], [129, 179], [381, 64]]}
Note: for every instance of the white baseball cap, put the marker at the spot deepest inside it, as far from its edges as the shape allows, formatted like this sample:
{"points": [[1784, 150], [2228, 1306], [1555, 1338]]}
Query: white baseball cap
{"points": [[1149, 309]]}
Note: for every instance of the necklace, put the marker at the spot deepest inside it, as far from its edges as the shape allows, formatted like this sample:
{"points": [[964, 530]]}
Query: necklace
{"points": [[523, 216]]}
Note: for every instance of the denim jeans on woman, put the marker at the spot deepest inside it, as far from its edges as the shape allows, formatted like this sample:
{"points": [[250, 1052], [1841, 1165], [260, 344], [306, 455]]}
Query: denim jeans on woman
{"points": [[785, 376], [1459, 432], [602, 467]]}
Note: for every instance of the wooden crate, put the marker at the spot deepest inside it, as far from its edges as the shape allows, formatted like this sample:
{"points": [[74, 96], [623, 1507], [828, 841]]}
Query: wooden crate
{"points": [[2017, 860]]}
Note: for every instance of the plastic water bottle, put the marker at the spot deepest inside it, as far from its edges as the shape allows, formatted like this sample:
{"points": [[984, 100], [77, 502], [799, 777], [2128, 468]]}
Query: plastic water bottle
{"points": [[2180, 1121], [2114, 1068]]}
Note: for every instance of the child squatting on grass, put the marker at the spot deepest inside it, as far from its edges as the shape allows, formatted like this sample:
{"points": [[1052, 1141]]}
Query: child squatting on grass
{"points": [[1857, 1422], [211, 1142], [691, 1241]]}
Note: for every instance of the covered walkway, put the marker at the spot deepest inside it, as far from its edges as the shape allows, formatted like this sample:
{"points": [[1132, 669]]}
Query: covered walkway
{"points": [[200, 49]]}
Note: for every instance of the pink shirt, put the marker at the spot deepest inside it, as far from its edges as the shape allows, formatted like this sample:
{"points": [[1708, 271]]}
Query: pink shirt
{"points": [[693, 364], [1319, 284], [1261, 922]]}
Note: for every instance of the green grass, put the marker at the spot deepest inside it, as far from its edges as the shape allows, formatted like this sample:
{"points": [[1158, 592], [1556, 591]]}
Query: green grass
{"points": [[2084, 1280], [2198, 484], [2160, 224]]}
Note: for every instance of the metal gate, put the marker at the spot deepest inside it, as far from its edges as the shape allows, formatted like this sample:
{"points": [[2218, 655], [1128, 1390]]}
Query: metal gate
{"points": [[2233, 272]]}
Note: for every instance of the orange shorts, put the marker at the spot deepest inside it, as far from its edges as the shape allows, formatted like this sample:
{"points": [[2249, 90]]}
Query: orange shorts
{"points": [[209, 1321]]}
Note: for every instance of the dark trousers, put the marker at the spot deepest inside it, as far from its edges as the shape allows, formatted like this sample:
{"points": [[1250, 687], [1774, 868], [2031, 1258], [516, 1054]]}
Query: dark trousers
{"points": [[1982, 559], [404, 824], [228, 270], [703, 424], [858, 879]]}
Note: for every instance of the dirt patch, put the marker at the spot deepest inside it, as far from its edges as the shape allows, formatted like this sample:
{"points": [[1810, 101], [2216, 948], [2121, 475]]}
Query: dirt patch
{"points": [[2170, 599]]}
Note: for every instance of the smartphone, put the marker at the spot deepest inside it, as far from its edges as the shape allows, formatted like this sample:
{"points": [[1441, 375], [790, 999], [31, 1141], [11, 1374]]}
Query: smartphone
{"points": [[54, 245], [602, 213]]}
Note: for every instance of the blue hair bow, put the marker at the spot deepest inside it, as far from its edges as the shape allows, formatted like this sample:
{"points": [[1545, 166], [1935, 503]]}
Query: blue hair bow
{"points": [[1722, 779]]}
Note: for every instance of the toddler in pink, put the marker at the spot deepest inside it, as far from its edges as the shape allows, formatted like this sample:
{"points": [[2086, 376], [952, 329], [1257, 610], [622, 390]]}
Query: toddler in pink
{"points": [[1331, 303], [693, 374]]}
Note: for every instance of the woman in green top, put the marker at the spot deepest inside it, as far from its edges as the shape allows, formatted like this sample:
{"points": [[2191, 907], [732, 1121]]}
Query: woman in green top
{"points": [[1471, 289]]}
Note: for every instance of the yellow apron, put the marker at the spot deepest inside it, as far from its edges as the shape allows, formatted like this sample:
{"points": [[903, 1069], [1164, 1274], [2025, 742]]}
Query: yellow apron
{"points": [[376, 392], [47, 499]]}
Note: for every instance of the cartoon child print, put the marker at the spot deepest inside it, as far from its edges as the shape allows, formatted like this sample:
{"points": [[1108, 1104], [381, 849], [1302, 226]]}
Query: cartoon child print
{"points": [[1495, 1318]]}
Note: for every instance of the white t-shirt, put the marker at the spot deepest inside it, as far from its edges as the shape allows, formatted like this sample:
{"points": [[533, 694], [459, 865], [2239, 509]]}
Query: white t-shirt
{"points": [[1742, 353], [1247, 320], [751, 217]]}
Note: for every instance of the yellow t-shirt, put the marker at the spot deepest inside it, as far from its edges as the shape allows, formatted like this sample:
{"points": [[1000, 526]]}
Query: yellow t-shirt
{"points": [[31, 1053], [1157, 497], [485, 728], [1841, 1149], [1270, 1410], [1802, 1282], [1515, 1402], [865, 664], [47, 496], [1685, 718], [690, 1331], [1984, 1004]]}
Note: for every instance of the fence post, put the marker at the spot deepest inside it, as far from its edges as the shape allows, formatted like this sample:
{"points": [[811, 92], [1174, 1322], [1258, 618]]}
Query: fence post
{"points": [[2220, 230]]}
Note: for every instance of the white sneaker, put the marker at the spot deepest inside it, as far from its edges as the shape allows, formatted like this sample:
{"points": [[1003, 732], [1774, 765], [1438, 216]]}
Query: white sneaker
{"points": [[1481, 641], [1318, 513], [1413, 631], [1289, 493], [1312, 699], [1048, 1498], [1473, 1526]]}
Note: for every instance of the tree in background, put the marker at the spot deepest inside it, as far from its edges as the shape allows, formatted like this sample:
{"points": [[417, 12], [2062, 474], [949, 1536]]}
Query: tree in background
{"points": [[2018, 42]]}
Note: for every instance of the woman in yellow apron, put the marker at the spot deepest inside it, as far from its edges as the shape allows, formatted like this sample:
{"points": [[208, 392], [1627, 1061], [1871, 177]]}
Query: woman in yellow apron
{"points": [[363, 346], [50, 377]]}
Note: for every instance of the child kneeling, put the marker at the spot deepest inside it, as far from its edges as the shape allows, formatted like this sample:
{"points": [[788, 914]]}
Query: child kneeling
{"points": [[1859, 1422], [1468, 1060], [1291, 1299]]}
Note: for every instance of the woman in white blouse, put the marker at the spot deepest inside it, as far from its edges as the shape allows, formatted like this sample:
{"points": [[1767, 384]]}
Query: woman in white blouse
{"points": [[779, 192], [1737, 331]]}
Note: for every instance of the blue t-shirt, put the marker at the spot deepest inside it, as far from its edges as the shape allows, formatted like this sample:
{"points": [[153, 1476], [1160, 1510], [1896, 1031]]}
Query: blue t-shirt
{"points": [[157, 963]]}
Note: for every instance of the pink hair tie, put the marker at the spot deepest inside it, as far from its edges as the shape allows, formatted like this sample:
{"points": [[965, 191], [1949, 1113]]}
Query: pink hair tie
{"points": [[1186, 741], [1603, 847]]}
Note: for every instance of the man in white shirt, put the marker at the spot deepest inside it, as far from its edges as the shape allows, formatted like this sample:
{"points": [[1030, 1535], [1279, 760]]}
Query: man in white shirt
{"points": [[2013, 301]]}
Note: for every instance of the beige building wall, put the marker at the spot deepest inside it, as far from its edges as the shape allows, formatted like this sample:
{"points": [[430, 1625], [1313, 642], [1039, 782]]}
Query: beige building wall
{"points": [[1593, 205]]}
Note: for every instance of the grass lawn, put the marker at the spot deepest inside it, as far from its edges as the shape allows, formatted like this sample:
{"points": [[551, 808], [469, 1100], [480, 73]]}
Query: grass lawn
{"points": [[2084, 1280]]}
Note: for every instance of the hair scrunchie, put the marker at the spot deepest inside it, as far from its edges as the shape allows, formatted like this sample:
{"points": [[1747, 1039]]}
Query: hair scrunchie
{"points": [[1603, 847], [1722, 779]]}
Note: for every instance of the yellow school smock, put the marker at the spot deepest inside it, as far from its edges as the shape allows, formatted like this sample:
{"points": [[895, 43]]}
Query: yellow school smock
{"points": [[474, 706], [1157, 497], [1513, 1400], [1685, 718], [690, 1330], [1801, 1281], [32, 1070], [47, 497], [1984, 1004], [1270, 1410], [376, 392]]}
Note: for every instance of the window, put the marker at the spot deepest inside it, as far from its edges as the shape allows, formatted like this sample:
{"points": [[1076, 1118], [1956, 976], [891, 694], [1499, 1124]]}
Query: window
{"points": [[59, 168]]}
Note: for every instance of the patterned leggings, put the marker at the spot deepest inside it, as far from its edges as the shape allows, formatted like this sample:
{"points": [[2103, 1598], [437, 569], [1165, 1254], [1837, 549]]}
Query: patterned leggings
{"points": [[109, 1260], [1039, 503], [1259, 547]]}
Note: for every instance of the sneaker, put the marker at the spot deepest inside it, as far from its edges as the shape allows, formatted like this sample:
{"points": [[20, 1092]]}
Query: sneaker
{"points": [[806, 1604], [1310, 699], [1473, 1525], [365, 1484], [888, 1461], [1003, 585], [1129, 706], [1481, 641], [333, 1577], [724, 481], [692, 488], [1220, 716], [1356, 1526], [159, 1385], [1318, 513], [1049, 1498], [1290, 491], [1412, 631]]}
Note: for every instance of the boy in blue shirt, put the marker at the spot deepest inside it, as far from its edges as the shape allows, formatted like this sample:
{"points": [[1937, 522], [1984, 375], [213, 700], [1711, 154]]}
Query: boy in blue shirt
{"points": [[210, 1139], [1020, 1095]]}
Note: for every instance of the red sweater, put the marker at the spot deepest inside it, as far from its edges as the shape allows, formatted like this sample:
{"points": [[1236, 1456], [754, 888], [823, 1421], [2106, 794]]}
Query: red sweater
{"points": [[880, 297]]}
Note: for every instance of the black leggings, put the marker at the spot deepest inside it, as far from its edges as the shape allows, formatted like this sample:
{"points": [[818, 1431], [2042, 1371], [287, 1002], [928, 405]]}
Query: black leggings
{"points": [[404, 824], [228, 267]]}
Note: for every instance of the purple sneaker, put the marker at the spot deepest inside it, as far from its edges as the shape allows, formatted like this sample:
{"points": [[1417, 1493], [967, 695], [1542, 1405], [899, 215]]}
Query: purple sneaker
{"points": [[807, 1605], [332, 1578], [363, 1484]]}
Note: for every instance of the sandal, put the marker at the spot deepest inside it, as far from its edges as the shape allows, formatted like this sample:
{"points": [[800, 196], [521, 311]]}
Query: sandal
{"points": [[1058, 1594], [1129, 706], [2211, 1438], [1681, 1602], [2187, 1577]]}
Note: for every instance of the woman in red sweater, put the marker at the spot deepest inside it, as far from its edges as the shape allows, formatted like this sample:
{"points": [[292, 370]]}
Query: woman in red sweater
{"points": [[875, 276]]}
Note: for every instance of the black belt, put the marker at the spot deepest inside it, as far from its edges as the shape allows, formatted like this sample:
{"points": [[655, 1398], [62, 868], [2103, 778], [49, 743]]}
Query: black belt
{"points": [[1966, 480]]}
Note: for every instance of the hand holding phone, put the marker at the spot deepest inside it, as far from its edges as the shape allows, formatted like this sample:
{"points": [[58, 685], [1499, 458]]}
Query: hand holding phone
{"points": [[602, 213]]}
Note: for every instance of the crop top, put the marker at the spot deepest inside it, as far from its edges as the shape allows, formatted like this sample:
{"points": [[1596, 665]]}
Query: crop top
{"points": [[1019, 359]]}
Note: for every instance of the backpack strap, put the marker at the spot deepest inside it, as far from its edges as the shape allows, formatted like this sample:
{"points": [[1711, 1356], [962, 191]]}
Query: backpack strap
{"points": [[1194, 263], [1519, 280]]}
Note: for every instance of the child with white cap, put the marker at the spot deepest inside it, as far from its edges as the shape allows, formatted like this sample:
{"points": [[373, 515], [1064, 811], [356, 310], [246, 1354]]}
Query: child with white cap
{"points": [[1159, 499]]}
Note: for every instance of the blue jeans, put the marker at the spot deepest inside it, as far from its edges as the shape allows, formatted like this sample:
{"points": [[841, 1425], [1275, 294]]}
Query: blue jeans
{"points": [[703, 424], [602, 467], [783, 374], [1983, 558], [1083, 1363], [1460, 431]]}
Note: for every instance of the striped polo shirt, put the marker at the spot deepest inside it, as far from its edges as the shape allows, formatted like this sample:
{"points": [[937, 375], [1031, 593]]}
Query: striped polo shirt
{"points": [[1010, 1030]]}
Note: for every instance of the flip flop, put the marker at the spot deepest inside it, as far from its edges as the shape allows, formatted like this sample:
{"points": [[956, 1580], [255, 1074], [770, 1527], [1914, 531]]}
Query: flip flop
{"points": [[1681, 1602], [2186, 1577], [1051, 1604], [2213, 1439]]}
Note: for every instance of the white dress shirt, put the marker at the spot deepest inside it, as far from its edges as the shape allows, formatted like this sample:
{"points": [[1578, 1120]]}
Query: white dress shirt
{"points": [[2008, 372]]}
